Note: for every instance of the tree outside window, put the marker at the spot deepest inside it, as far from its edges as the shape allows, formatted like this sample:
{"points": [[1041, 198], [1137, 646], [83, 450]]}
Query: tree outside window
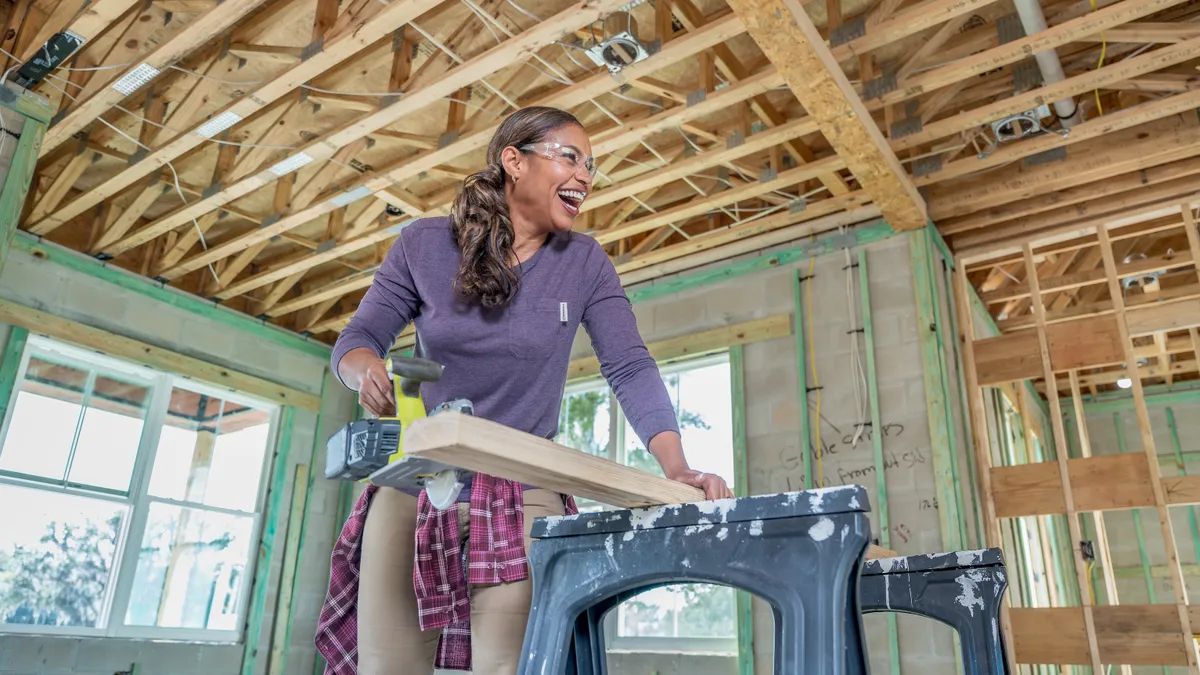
{"points": [[683, 617], [140, 497]]}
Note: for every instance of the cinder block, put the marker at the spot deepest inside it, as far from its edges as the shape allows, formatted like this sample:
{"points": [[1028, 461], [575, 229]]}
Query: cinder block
{"points": [[31, 282], [897, 365], [208, 338], [158, 323], [38, 654], [166, 657], [258, 356], [88, 297], [679, 316], [221, 659], [106, 655]]}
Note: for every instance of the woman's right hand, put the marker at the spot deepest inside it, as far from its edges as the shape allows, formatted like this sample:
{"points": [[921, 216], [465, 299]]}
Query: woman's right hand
{"points": [[375, 390]]}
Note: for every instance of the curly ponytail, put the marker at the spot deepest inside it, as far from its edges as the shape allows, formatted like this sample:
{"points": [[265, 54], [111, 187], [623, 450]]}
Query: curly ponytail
{"points": [[479, 216]]}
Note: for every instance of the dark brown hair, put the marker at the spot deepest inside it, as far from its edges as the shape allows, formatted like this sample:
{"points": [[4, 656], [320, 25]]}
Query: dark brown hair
{"points": [[479, 216]]}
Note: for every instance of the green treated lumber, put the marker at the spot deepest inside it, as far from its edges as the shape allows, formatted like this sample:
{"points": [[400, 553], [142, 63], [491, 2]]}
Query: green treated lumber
{"points": [[17, 337], [885, 534], [1155, 395], [302, 539], [802, 379], [943, 372], [940, 243], [30, 105], [1156, 571], [204, 309], [961, 386], [1181, 467], [741, 488], [945, 477], [266, 544], [16, 184], [866, 233], [282, 623]]}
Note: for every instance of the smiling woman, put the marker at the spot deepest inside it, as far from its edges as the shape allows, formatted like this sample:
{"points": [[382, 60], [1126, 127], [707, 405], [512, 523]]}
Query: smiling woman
{"points": [[497, 292]]}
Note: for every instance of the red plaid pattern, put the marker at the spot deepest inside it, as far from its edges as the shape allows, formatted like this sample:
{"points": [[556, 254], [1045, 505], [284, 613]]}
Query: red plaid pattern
{"points": [[495, 554]]}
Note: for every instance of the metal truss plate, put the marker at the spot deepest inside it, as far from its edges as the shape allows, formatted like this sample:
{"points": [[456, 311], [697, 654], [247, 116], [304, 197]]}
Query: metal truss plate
{"points": [[879, 86], [696, 96], [447, 138], [1009, 28], [848, 31], [906, 127], [1051, 155], [1026, 76], [735, 139], [767, 176], [927, 165], [313, 48]]}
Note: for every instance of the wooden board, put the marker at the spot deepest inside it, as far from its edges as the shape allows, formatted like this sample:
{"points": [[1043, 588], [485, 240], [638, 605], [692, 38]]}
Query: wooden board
{"points": [[787, 36], [1085, 342], [1140, 635], [480, 445], [1006, 358], [1104, 483], [139, 352], [1163, 317]]}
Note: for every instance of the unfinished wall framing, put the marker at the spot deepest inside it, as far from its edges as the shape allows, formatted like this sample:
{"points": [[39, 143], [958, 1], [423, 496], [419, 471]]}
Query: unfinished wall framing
{"points": [[1047, 485]]}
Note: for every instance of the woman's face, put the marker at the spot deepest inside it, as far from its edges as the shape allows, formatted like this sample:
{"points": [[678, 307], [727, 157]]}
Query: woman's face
{"points": [[552, 178]]}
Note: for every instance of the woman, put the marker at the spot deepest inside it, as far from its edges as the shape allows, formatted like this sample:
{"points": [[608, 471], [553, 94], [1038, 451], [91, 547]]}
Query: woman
{"points": [[497, 291]]}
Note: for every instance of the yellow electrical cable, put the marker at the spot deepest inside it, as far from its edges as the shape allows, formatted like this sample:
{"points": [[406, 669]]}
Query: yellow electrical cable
{"points": [[819, 482], [1088, 579], [1100, 64]]}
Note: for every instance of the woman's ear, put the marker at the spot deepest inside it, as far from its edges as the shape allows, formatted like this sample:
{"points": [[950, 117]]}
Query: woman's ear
{"points": [[513, 162]]}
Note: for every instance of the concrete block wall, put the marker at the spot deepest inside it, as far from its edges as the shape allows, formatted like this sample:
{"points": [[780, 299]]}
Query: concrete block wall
{"points": [[774, 451], [43, 285]]}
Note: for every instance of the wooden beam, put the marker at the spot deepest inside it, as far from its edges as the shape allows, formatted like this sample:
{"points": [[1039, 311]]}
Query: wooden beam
{"points": [[1141, 635], [791, 42], [1060, 441], [120, 346], [334, 50], [1179, 589], [194, 35], [494, 59]]}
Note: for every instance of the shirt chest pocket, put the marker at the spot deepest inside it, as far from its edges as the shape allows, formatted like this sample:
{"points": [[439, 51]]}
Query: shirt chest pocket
{"points": [[538, 327]]}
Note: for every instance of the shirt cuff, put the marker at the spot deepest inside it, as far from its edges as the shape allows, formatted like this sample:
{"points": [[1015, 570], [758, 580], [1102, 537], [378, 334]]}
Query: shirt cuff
{"points": [[654, 422], [342, 347]]}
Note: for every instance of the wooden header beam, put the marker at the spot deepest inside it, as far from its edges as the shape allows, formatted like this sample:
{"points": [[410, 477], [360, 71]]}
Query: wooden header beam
{"points": [[790, 40]]}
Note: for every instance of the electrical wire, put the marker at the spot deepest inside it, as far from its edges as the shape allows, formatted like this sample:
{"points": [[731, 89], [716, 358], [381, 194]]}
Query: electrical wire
{"points": [[858, 376], [812, 352], [1100, 63], [174, 173]]}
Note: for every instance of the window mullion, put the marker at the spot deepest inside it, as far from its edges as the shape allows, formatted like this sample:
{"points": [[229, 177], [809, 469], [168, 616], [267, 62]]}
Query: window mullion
{"points": [[126, 562], [88, 385]]}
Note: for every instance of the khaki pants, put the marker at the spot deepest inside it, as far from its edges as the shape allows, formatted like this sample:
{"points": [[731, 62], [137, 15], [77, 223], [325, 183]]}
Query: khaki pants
{"points": [[390, 640]]}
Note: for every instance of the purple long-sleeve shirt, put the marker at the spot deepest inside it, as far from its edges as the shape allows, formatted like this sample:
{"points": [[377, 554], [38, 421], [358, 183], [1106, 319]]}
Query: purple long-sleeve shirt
{"points": [[511, 362]]}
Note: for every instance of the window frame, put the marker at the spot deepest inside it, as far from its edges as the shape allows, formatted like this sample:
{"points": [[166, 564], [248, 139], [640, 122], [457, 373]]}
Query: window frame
{"points": [[615, 452], [137, 500]]}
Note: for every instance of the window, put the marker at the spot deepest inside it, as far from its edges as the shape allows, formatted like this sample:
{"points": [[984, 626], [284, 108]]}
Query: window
{"points": [[686, 617], [139, 496]]}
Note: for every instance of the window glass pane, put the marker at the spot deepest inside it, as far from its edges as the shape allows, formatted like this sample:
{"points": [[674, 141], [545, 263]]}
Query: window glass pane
{"points": [[56, 558], [585, 421], [683, 611], [110, 434], [44, 419], [704, 404], [211, 452], [190, 569]]}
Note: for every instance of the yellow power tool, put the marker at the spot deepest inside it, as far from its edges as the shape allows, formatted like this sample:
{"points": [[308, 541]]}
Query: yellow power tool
{"points": [[372, 449]]}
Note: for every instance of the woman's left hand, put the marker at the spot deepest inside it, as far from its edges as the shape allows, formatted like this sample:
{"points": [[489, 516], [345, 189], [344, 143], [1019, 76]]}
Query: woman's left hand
{"points": [[713, 485]]}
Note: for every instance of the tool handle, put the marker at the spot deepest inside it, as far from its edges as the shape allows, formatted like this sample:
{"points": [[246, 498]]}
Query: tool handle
{"points": [[422, 370], [409, 372]]}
